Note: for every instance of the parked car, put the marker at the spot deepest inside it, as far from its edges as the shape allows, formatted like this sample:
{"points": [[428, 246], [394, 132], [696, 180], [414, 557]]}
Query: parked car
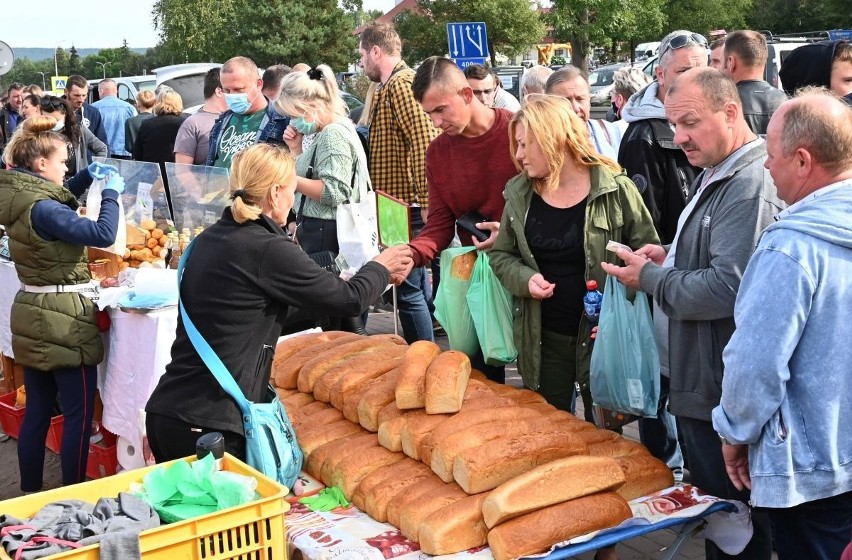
{"points": [[128, 87], [511, 78], [600, 82], [186, 79]]}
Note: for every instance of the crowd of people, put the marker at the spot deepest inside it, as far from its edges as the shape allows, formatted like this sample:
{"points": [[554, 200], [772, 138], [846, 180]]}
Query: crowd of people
{"points": [[731, 196]]}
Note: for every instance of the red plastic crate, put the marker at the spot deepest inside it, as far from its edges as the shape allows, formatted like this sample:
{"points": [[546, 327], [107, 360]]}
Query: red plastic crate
{"points": [[54, 434], [103, 457], [11, 417]]}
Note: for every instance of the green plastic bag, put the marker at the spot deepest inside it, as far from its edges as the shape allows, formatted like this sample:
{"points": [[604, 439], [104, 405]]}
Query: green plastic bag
{"points": [[625, 367], [490, 306], [451, 308]]}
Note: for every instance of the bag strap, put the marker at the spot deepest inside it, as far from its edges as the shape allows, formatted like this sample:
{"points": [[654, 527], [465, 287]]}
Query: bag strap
{"points": [[208, 356]]}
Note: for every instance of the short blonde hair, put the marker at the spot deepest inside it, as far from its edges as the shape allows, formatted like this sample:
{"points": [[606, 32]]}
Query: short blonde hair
{"points": [[560, 133], [311, 93], [145, 99], [254, 171], [169, 102]]}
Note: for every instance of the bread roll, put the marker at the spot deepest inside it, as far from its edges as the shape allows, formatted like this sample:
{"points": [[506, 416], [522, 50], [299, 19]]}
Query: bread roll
{"points": [[617, 448], [416, 492], [383, 362], [415, 429], [445, 452], [411, 387], [537, 531], [461, 267], [446, 381], [287, 369], [390, 433], [347, 474], [318, 457], [645, 475], [374, 400], [377, 499], [336, 358], [310, 439], [551, 483], [380, 476], [487, 466], [455, 528], [412, 516]]}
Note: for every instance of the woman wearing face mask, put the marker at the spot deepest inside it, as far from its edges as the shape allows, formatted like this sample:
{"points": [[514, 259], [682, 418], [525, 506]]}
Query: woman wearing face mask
{"points": [[242, 277], [333, 169], [54, 331], [83, 145]]}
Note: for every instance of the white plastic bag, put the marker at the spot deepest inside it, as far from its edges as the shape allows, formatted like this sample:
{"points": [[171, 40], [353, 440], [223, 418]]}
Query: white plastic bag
{"points": [[357, 222], [93, 210]]}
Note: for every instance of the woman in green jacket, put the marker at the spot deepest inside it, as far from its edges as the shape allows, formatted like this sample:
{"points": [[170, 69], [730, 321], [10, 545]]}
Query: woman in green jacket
{"points": [[560, 212]]}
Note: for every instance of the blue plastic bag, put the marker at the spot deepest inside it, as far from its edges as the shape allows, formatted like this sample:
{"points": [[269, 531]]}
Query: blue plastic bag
{"points": [[490, 306], [451, 309], [625, 367]]}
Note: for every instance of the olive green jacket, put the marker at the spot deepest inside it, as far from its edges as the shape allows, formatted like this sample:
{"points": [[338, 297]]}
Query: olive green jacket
{"points": [[53, 330], [614, 211]]}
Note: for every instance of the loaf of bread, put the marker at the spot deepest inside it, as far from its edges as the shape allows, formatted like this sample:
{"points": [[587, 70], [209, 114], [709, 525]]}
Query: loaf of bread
{"points": [[353, 397], [466, 418], [297, 400], [317, 419], [296, 344], [500, 388], [487, 466], [284, 393], [461, 267], [477, 375], [381, 476], [455, 528], [333, 359], [390, 432], [525, 396], [618, 448], [412, 516], [445, 452], [380, 495], [353, 380], [314, 462], [537, 531], [551, 483], [411, 387], [645, 475], [591, 437], [389, 412], [446, 381], [347, 474], [415, 429], [377, 398], [310, 439], [413, 495], [346, 452], [370, 364], [287, 370]]}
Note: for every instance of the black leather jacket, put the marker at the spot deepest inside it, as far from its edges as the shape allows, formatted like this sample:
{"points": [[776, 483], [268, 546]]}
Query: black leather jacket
{"points": [[759, 101]]}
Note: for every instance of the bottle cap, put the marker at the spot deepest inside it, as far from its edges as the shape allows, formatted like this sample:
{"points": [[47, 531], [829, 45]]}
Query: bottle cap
{"points": [[214, 443], [592, 285]]}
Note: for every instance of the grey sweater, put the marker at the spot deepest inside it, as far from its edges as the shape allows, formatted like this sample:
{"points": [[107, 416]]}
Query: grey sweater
{"points": [[699, 292]]}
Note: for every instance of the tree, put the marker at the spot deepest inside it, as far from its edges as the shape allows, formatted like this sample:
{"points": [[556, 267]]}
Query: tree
{"points": [[61, 62], [197, 30], [791, 16], [587, 22], [75, 65], [703, 16], [513, 25]]}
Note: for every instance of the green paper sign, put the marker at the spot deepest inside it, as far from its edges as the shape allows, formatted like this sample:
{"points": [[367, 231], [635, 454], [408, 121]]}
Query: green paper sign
{"points": [[393, 220]]}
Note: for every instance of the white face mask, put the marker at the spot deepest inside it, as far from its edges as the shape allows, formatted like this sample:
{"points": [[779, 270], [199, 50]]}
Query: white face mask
{"points": [[58, 126]]}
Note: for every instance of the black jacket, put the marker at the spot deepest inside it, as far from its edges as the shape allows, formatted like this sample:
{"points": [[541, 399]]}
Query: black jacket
{"points": [[660, 170], [5, 126], [759, 101], [237, 287], [90, 117]]}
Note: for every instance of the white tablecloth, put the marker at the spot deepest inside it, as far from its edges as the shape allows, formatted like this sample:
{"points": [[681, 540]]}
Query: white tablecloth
{"points": [[9, 285], [138, 350]]}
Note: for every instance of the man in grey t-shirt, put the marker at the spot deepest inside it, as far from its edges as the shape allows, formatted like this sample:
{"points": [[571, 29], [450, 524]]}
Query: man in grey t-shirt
{"points": [[193, 138]]}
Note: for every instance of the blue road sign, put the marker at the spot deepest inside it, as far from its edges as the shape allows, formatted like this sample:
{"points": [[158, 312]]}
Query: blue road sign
{"points": [[467, 39], [465, 62]]}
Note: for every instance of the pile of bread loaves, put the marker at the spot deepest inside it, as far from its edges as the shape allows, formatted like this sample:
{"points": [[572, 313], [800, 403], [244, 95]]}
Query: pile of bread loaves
{"points": [[415, 438]]}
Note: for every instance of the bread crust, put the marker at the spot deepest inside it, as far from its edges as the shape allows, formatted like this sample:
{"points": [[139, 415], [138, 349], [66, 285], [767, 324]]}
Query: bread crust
{"points": [[411, 387], [455, 528], [287, 369], [378, 397], [644, 475]]}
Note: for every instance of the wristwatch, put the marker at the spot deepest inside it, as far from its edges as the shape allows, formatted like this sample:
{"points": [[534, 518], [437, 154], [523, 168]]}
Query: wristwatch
{"points": [[723, 439]]}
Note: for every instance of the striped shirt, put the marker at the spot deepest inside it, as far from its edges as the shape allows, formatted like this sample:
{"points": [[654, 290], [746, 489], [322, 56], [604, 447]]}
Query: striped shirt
{"points": [[400, 132]]}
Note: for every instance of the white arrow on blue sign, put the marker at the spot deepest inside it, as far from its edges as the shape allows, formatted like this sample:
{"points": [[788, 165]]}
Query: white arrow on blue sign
{"points": [[467, 39]]}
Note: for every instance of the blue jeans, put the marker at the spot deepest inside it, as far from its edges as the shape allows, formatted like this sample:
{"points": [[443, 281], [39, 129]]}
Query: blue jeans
{"points": [[413, 296], [818, 530], [76, 387]]}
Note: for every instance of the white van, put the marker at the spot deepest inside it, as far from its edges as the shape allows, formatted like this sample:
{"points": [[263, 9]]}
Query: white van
{"points": [[186, 79], [645, 51]]}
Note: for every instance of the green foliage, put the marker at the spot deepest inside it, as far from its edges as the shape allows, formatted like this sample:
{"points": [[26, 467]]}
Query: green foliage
{"points": [[791, 16], [512, 26], [703, 16], [196, 30]]}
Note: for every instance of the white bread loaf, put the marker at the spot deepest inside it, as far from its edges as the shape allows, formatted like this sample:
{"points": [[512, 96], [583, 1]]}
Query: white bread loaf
{"points": [[537, 531], [356, 379], [378, 397], [412, 516], [455, 528], [415, 429], [411, 387], [413, 494], [346, 451], [347, 474], [645, 475], [617, 448], [487, 466], [381, 476], [390, 432], [314, 462], [291, 346], [591, 437], [378, 497], [353, 397], [551, 483], [310, 439], [287, 370], [335, 358], [317, 419], [446, 381]]}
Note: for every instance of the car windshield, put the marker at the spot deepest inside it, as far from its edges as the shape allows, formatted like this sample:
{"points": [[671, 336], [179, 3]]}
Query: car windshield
{"points": [[601, 77], [190, 88], [146, 85]]}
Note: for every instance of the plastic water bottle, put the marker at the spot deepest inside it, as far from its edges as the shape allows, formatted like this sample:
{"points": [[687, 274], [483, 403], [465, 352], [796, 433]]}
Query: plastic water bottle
{"points": [[592, 303]]}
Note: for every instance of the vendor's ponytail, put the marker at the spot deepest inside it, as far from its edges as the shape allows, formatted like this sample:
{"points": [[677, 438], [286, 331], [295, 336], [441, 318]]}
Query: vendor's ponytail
{"points": [[254, 171], [33, 139]]}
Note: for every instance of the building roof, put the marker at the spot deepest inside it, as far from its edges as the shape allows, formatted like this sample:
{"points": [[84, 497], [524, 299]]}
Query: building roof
{"points": [[391, 14]]}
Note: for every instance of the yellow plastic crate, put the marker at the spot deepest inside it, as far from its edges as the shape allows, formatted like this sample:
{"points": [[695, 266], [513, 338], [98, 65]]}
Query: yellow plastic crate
{"points": [[251, 531]]}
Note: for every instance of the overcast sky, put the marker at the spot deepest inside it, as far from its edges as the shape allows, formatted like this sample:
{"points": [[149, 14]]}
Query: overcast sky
{"points": [[93, 23]]}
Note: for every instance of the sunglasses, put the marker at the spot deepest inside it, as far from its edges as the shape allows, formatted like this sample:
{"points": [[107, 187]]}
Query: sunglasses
{"points": [[680, 41], [51, 104], [484, 91]]}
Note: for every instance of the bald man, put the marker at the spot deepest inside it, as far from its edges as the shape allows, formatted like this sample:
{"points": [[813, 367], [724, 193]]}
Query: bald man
{"points": [[789, 440], [114, 113]]}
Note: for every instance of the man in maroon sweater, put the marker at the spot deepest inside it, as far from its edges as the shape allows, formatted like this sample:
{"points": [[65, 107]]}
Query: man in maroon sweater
{"points": [[467, 166]]}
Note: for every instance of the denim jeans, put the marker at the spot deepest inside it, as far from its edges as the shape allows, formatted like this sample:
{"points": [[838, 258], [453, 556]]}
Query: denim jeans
{"points": [[659, 434], [818, 530], [413, 296]]}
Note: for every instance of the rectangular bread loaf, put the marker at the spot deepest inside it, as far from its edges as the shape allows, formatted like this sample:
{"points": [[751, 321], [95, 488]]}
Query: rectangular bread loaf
{"points": [[352, 397], [551, 483], [359, 376], [446, 381], [645, 475], [411, 387], [617, 448], [313, 438], [415, 493], [378, 397], [415, 429], [347, 474], [390, 432], [537, 531], [314, 462], [287, 370], [379, 476], [413, 515], [525, 396], [487, 466], [315, 368], [455, 528], [317, 419], [346, 451], [291, 346], [378, 497], [591, 437]]}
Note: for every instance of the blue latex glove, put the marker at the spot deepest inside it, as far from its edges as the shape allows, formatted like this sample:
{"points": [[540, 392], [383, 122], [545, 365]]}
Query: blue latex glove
{"points": [[99, 170], [115, 182]]}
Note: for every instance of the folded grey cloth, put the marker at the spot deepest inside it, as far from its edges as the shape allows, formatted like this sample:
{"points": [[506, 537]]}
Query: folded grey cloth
{"points": [[114, 523]]}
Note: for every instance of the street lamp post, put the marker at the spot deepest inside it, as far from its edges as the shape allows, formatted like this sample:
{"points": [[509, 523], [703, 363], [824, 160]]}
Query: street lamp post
{"points": [[43, 82], [103, 67]]}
